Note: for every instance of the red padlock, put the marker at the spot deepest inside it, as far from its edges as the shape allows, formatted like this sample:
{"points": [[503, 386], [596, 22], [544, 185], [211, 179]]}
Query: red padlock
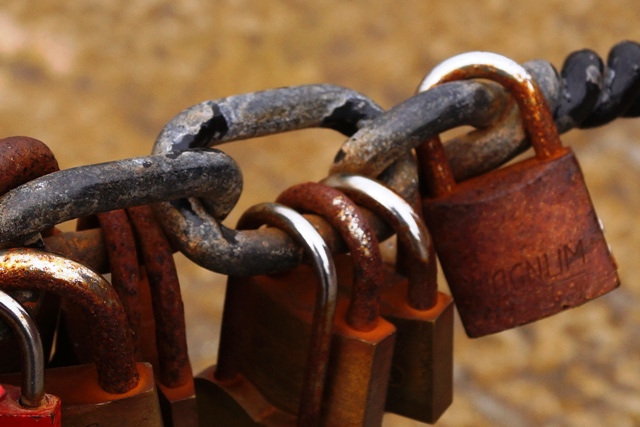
{"points": [[28, 405]]}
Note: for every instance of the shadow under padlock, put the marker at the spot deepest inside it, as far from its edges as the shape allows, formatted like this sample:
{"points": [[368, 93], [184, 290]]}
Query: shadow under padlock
{"points": [[225, 393], [363, 342], [522, 242], [115, 390], [27, 405], [421, 383]]}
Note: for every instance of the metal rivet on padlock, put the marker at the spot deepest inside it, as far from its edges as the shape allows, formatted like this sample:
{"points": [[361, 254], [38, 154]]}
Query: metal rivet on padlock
{"points": [[27, 405], [363, 342], [223, 392], [115, 390], [421, 383], [174, 377], [522, 242]]}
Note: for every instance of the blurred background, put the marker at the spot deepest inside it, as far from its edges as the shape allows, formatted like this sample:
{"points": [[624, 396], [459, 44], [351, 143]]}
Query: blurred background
{"points": [[97, 81]]}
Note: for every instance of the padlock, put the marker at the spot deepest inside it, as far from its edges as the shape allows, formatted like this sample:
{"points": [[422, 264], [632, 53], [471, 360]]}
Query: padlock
{"points": [[224, 393], [362, 348], [27, 405], [115, 390], [174, 377], [421, 381], [522, 242]]}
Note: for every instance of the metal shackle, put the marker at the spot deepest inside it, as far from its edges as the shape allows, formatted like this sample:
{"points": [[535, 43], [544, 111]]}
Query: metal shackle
{"points": [[317, 251], [410, 230], [32, 389], [343, 214], [536, 116], [535, 113], [113, 353]]}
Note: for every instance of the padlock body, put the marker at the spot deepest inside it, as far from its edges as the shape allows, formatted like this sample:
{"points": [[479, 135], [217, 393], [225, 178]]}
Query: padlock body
{"points": [[12, 414], [178, 405], [421, 378], [277, 349], [520, 243], [235, 403], [84, 403]]}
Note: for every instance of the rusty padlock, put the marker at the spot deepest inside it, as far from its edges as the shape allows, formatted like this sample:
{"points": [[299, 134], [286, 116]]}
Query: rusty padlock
{"points": [[421, 382], [174, 377], [224, 392], [115, 390], [362, 350], [522, 242], [27, 405]]}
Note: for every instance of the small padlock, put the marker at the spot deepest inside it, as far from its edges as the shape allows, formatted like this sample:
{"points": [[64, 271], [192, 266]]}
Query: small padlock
{"points": [[363, 342], [421, 381], [223, 392], [115, 390], [27, 405], [174, 377], [522, 242]]}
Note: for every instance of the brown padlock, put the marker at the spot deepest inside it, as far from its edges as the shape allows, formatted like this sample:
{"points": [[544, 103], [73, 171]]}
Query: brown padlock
{"points": [[421, 382], [363, 342], [224, 393], [115, 390], [522, 242], [174, 377]]}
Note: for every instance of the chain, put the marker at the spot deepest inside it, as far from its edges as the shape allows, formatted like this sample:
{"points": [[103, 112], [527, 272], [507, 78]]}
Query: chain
{"points": [[194, 187]]}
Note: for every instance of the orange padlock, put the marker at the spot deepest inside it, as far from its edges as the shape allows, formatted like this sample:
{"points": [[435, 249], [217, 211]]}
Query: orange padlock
{"points": [[421, 383], [224, 392]]}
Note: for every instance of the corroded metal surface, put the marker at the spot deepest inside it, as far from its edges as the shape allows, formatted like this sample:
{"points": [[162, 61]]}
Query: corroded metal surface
{"points": [[111, 339], [123, 265], [346, 216], [168, 309], [315, 372], [412, 234], [71, 193]]}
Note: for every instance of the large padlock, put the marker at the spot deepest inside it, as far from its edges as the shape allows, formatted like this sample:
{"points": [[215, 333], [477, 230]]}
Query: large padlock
{"points": [[421, 381], [363, 342], [224, 393], [27, 405], [115, 390], [522, 242], [174, 377]]}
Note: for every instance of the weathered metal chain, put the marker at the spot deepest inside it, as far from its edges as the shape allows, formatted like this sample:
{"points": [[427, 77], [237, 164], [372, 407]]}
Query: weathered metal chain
{"points": [[377, 140]]}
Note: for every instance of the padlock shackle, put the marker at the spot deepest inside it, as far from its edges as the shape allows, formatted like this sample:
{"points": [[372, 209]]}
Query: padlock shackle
{"points": [[166, 298], [318, 253], [534, 110], [26, 268], [409, 227], [32, 389], [536, 115], [344, 215]]}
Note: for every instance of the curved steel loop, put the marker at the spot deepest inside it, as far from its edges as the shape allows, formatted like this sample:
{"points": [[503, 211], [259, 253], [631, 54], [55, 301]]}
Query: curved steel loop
{"points": [[411, 231], [484, 105], [195, 229], [86, 190], [23, 268], [318, 253], [32, 388]]}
